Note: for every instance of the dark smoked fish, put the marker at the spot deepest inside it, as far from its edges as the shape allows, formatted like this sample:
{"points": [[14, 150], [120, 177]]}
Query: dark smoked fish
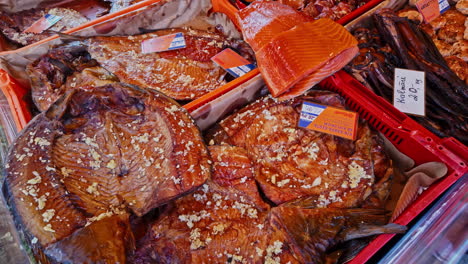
{"points": [[225, 221], [109, 152]]}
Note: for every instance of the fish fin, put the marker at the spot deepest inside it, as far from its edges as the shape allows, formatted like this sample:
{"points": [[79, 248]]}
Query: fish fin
{"points": [[308, 202], [57, 109], [68, 37], [369, 230], [314, 231]]}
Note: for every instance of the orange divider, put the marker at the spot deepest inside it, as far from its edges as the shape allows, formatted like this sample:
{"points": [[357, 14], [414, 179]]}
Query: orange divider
{"points": [[221, 90], [15, 93], [225, 7], [89, 24]]}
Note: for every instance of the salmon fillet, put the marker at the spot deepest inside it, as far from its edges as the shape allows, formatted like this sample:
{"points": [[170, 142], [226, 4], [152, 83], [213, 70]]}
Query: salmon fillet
{"points": [[297, 53], [294, 52], [262, 21]]}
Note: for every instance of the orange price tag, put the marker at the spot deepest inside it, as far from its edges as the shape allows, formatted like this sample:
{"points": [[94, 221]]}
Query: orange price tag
{"points": [[232, 62], [163, 43], [330, 120], [43, 23]]}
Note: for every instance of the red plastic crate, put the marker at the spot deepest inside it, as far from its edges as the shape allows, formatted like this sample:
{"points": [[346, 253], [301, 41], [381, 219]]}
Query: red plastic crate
{"points": [[410, 138]]}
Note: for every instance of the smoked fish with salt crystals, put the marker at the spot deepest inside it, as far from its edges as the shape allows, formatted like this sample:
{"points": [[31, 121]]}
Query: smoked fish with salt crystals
{"points": [[226, 221], [293, 54], [182, 74], [113, 150], [292, 162]]}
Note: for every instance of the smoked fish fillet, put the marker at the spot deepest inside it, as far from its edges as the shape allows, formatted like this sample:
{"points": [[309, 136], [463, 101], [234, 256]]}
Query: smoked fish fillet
{"points": [[226, 221], [262, 21], [305, 49], [182, 74], [293, 163], [294, 52]]}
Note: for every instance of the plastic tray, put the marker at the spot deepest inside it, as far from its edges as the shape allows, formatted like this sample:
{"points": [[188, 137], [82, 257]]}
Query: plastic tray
{"points": [[224, 6]]}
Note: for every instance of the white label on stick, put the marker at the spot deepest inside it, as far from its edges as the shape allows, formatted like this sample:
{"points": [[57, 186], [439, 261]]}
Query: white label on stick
{"points": [[409, 91]]}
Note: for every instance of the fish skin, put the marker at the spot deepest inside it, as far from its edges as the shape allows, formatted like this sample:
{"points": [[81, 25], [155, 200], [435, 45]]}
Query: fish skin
{"points": [[276, 235], [30, 155], [49, 74], [107, 241], [62, 144], [314, 231], [293, 55], [334, 65], [13, 25], [296, 162], [182, 74]]}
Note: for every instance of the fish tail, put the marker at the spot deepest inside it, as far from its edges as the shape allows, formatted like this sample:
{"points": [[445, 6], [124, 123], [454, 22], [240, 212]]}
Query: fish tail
{"points": [[369, 230]]}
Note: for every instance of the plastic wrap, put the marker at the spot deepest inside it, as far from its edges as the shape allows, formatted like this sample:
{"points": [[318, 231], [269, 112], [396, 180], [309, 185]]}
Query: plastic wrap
{"points": [[441, 235]]}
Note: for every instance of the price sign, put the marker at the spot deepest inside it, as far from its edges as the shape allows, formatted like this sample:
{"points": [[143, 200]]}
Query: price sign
{"points": [[43, 23], [232, 62], [409, 91], [163, 43]]}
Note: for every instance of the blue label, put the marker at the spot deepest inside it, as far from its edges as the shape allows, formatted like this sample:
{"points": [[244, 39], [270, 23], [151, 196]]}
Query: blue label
{"points": [[178, 42], [309, 112], [240, 70], [443, 6], [52, 19]]}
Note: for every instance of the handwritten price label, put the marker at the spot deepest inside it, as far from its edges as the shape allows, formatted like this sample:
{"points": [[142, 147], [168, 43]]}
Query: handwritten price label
{"points": [[409, 91]]}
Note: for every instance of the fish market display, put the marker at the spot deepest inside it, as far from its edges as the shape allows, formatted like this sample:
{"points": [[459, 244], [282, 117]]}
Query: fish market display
{"points": [[226, 221], [400, 43], [13, 25], [332, 9], [290, 49], [182, 74], [292, 162], [96, 157], [449, 32]]}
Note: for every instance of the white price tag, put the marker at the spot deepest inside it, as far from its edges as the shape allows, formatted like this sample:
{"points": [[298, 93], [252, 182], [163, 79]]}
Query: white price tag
{"points": [[409, 91]]}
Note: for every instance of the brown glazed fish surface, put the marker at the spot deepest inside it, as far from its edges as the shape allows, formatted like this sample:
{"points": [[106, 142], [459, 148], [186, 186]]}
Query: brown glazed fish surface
{"points": [[226, 221], [181, 74], [293, 162], [94, 154]]}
